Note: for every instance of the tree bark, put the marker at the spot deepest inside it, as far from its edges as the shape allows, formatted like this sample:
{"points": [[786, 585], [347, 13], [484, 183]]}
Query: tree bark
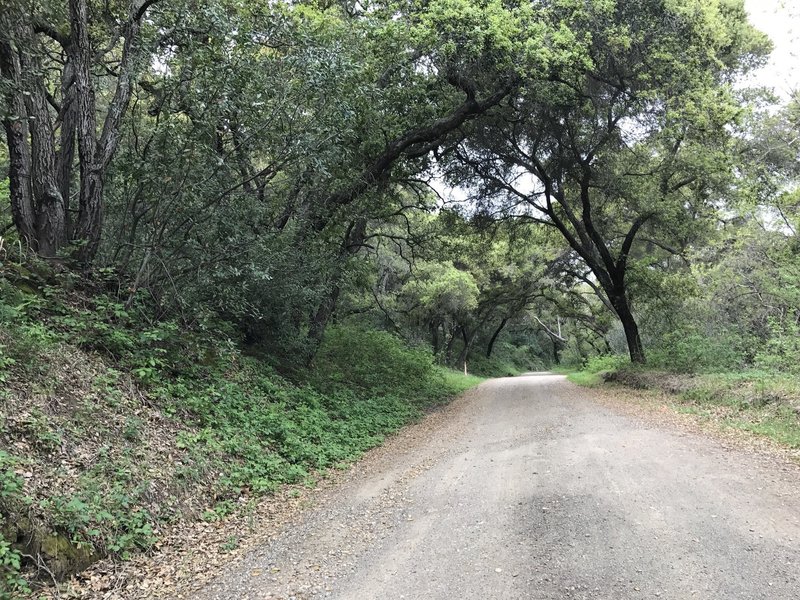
{"points": [[48, 202], [37, 205], [16, 127], [436, 344], [90, 213], [556, 350], [321, 318], [88, 223], [95, 154], [40, 175], [493, 339], [353, 239], [448, 354], [467, 339], [635, 348], [610, 273], [413, 143], [66, 152]]}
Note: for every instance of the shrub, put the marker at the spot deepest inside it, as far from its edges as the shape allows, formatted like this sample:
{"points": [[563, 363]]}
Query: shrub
{"points": [[12, 584], [689, 351], [606, 363], [376, 363], [506, 360], [782, 350]]}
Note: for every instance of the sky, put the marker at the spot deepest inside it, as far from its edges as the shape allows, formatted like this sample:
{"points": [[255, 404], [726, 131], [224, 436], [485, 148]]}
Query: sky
{"points": [[780, 20]]}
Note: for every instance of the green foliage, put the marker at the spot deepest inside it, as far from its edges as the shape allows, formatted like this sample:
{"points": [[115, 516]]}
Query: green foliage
{"points": [[737, 308], [11, 484], [493, 367], [12, 583], [11, 498], [269, 180], [267, 432], [584, 378], [781, 425], [782, 349], [440, 288], [507, 360], [605, 363], [374, 363], [239, 427], [107, 520], [6, 361], [596, 368], [688, 351], [762, 402], [455, 382]]}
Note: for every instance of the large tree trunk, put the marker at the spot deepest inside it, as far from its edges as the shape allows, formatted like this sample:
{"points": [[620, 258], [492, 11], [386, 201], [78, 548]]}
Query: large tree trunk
{"points": [[353, 239], [48, 202], [581, 234], [36, 202], [19, 171], [96, 154], [321, 318], [66, 152], [448, 353], [556, 350], [15, 124], [40, 175], [467, 339], [635, 348], [496, 333], [436, 344], [19, 175], [87, 230], [90, 213]]}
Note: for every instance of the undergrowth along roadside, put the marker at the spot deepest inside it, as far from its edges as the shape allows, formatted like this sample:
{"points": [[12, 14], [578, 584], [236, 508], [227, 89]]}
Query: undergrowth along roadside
{"points": [[763, 403], [113, 427]]}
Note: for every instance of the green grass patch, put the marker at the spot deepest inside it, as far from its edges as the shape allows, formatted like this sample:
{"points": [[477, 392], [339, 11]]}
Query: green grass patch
{"points": [[783, 427], [584, 378], [455, 382], [594, 371], [762, 402]]}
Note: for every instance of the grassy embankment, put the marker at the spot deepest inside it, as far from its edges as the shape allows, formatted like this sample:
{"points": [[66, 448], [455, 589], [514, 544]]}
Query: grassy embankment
{"points": [[113, 428], [764, 403]]}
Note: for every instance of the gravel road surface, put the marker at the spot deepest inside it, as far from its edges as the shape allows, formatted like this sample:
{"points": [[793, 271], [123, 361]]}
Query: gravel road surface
{"points": [[527, 488]]}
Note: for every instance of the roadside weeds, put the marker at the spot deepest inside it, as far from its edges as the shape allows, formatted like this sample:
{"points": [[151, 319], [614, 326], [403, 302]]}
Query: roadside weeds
{"points": [[701, 406]]}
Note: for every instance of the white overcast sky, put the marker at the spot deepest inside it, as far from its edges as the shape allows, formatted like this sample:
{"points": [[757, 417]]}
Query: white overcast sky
{"points": [[780, 20]]}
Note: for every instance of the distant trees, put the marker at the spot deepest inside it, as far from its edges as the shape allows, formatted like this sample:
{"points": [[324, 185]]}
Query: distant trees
{"points": [[466, 285]]}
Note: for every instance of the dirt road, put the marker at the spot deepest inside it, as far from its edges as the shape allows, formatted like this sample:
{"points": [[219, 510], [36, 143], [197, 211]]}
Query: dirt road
{"points": [[526, 488]]}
